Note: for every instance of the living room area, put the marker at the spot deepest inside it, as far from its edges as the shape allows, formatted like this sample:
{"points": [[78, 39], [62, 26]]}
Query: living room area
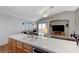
{"points": [[61, 25]]}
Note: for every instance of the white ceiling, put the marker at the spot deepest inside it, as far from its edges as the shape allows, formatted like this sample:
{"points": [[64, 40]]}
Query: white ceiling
{"points": [[32, 12], [21, 12], [58, 9]]}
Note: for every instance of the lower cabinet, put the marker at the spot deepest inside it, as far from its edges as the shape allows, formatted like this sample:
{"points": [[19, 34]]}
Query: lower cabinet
{"points": [[19, 49], [15, 46]]}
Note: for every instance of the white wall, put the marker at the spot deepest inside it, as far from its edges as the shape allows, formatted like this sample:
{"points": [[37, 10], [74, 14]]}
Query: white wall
{"points": [[9, 26], [77, 21], [66, 15]]}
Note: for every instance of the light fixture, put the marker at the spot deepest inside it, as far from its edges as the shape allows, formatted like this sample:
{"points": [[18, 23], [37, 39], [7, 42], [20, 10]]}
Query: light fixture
{"points": [[45, 15], [45, 12]]}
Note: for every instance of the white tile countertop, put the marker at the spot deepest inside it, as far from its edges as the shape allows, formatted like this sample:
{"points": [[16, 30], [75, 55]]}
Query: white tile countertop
{"points": [[51, 44]]}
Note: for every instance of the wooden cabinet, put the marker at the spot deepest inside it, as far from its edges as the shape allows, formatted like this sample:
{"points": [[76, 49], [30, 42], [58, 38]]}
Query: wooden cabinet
{"points": [[9, 46], [27, 51], [27, 48], [15, 46], [19, 49]]}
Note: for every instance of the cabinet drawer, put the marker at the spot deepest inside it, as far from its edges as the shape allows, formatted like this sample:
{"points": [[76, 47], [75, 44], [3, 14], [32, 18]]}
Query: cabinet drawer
{"points": [[12, 46], [27, 51], [19, 43], [19, 49], [27, 47], [13, 41]]}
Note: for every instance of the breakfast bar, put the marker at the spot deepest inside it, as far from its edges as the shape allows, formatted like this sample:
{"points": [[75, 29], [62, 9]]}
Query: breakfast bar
{"points": [[43, 43]]}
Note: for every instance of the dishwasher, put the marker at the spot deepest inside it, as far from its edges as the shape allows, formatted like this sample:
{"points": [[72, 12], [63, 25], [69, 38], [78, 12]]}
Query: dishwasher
{"points": [[38, 50]]}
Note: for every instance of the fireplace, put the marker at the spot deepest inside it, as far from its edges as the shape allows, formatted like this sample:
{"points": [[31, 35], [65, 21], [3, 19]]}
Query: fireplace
{"points": [[58, 30]]}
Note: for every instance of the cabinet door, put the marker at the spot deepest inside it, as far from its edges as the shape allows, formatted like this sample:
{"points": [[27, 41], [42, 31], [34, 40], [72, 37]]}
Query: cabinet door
{"points": [[14, 48], [27, 48], [19, 49], [13, 45], [9, 45]]}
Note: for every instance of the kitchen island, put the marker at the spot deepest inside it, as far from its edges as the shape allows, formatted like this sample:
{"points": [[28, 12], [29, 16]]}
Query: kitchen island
{"points": [[46, 44]]}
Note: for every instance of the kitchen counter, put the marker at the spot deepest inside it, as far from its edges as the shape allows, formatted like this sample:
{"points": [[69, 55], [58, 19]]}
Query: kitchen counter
{"points": [[63, 37], [48, 44]]}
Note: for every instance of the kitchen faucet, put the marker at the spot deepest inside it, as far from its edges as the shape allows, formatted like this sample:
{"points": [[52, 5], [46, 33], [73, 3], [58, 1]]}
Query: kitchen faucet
{"points": [[76, 36]]}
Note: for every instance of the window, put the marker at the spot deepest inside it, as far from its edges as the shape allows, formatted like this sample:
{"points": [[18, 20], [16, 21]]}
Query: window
{"points": [[41, 28]]}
